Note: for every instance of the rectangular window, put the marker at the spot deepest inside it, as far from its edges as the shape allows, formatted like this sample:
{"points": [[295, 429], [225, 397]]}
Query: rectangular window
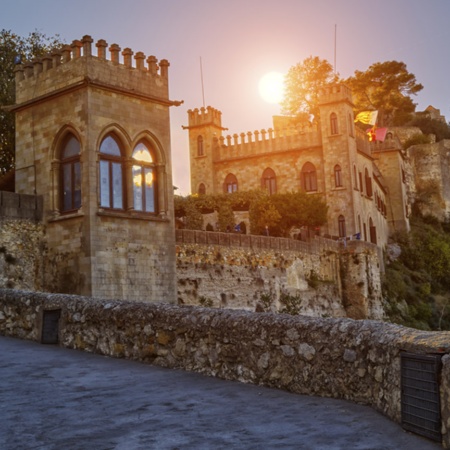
{"points": [[149, 190], [104, 185], [117, 185]]}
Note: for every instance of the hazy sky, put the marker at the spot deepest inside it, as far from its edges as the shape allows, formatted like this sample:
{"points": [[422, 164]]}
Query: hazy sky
{"points": [[239, 41]]}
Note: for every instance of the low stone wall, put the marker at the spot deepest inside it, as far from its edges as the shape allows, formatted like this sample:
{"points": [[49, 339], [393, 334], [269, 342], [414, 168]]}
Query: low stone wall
{"points": [[341, 358]]}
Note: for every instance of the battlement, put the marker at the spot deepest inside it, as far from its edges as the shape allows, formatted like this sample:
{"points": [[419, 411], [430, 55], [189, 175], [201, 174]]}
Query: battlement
{"points": [[76, 62], [335, 93], [306, 135], [205, 116]]}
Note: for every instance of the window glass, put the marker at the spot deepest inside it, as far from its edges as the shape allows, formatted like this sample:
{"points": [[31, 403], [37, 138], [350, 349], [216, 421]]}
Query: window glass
{"points": [[70, 175], [104, 184], [110, 147], [144, 192], [117, 185]]}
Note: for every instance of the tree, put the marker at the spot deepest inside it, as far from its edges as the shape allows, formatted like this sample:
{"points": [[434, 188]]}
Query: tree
{"points": [[298, 209], [13, 46], [302, 83], [386, 87]]}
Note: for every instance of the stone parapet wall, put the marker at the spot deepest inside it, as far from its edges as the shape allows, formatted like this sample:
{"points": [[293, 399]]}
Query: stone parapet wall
{"points": [[340, 358]]}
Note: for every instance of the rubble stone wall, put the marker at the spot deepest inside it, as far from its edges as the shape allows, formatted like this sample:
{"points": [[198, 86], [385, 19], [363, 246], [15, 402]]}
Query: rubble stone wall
{"points": [[340, 358]]}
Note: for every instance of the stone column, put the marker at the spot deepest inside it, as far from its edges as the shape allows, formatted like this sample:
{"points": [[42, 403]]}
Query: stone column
{"points": [[87, 45], [101, 48], [152, 65], [140, 58], [127, 54], [114, 49]]}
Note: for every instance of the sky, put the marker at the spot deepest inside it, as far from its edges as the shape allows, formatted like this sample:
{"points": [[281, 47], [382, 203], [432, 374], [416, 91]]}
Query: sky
{"points": [[232, 44]]}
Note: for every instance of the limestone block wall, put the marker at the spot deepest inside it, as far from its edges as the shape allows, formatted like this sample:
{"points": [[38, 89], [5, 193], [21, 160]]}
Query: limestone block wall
{"points": [[340, 358], [236, 271]]}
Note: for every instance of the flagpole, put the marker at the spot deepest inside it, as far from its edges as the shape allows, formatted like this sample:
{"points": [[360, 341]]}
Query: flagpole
{"points": [[201, 76], [335, 39]]}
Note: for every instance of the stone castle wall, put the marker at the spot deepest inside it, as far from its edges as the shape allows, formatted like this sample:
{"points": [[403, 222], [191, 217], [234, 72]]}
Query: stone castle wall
{"points": [[218, 269], [340, 358]]}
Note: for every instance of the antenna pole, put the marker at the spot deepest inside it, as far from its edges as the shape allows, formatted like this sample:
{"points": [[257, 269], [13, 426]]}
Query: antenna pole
{"points": [[201, 76], [335, 38]]}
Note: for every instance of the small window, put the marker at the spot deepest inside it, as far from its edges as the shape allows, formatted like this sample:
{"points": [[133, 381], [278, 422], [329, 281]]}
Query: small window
{"points": [[200, 149], [70, 175], [361, 187], [337, 176], [201, 189], [334, 123], [144, 183], [368, 184], [309, 177], [230, 185], [341, 225], [355, 176], [350, 125], [111, 174], [269, 182]]}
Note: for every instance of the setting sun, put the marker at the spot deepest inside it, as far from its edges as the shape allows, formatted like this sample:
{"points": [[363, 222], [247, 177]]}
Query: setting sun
{"points": [[271, 87]]}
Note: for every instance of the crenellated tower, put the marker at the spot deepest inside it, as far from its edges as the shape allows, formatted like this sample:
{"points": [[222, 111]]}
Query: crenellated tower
{"points": [[93, 139], [205, 128]]}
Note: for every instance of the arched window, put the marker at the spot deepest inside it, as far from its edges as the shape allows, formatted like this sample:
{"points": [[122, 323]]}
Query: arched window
{"points": [[337, 176], [268, 181], [334, 123], [230, 185], [70, 175], [368, 184], [200, 150], [144, 181], [309, 177], [201, 189], [341, 225], [111, 174]]}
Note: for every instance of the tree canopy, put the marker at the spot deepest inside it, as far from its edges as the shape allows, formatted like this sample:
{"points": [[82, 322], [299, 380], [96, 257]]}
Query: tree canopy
{"points": [[302, 83], [12, 46], [386, 87]]}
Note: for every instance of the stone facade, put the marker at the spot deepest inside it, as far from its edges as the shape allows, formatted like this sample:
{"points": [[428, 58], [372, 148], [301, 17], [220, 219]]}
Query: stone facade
{"points": [[97, 246], [340, 358], [322, 277], [330, 157]]}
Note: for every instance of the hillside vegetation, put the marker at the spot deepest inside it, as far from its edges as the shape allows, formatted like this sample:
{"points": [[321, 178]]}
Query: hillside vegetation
{"points": [[416, 285]]}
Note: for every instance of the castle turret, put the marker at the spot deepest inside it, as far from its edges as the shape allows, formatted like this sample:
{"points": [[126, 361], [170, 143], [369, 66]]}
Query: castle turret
{"points": [[205, 128], [93, 139]]}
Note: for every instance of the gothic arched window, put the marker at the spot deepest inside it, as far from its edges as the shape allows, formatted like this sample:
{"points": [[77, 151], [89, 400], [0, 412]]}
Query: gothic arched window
{"points": [[230, 184], [201, 189], [368, 184], [269, 181], [70, 174], [144, 180], [309, 177], [334, 123], [111, 174]]}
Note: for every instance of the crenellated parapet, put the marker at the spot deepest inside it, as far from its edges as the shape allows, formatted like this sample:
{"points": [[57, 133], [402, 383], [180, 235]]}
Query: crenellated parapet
{"points": [[81, 61], [334, 93], [306, 135], [204, 117]]}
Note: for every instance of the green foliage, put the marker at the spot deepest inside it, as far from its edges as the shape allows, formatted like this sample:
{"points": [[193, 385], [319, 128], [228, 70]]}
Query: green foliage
{"points": [[291, 303], [33, 46], [416, 287], [431, 126], [206, 302], [302, 83], [386, 87], [417, 139], [263, 215]]}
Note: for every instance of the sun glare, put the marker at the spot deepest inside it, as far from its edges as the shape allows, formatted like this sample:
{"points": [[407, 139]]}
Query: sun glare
{"points": [[271, 87]]}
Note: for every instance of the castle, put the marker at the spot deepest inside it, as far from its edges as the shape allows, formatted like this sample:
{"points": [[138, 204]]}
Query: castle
{"points": [[93, 141], [365, 184]]}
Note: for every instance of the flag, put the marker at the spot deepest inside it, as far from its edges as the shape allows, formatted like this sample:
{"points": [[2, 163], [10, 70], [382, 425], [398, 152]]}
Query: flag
{"points": [[368, 117], [376, 134]]}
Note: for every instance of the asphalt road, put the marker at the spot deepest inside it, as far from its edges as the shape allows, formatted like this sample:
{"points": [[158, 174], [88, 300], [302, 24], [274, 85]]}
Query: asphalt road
{"points": [[55, 398]]}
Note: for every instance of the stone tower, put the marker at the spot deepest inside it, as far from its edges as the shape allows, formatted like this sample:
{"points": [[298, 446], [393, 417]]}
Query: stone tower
{"points": [[205, 126], [93, 139]]}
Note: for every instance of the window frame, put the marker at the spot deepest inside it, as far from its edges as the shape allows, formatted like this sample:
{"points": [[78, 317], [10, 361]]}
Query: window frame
{"points": [[72, 162], [112, 162], [309, 177], [334, 126]]}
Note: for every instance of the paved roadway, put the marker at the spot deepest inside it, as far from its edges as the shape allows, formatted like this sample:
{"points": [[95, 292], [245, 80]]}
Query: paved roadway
{"points": [[60, 399]]}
